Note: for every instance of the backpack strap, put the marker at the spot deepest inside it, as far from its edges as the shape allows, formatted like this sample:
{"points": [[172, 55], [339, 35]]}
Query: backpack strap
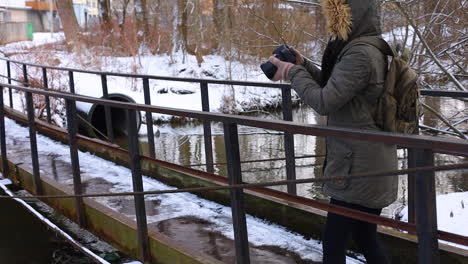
{"points": [[375, 41]]}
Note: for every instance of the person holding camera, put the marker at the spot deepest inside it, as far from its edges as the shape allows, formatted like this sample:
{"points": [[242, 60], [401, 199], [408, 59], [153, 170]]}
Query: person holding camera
{"points": [[345, 89]]}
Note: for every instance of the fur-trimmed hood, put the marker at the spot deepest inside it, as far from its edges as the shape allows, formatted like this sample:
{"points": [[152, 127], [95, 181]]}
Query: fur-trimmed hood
{"points": [[349, 19]]}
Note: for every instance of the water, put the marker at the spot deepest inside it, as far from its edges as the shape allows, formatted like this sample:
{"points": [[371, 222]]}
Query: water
{"points": [[184, 145], [26, 240]]}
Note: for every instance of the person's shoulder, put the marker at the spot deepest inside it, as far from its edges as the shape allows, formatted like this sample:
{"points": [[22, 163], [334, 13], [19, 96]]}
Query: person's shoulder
{"points": [[365, 53], [357, 52]]}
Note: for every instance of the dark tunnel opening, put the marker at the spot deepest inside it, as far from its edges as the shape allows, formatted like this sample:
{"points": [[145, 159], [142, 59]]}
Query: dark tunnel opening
{"points": [[97, 118]]}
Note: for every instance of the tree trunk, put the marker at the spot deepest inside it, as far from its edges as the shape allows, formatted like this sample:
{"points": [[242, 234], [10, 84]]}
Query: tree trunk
{"points": [[182, 27], [68, 18], [104, 8], [218, 22], [141, 15]]}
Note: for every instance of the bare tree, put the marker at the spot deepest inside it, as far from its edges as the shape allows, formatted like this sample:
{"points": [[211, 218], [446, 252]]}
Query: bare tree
{"points": [[141, 15], [182, 26], [105, 12], [68, 18]]}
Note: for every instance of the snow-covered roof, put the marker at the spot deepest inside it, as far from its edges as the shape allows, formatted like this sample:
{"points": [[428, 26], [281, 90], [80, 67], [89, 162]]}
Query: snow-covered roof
{"points": [[13, 4]]}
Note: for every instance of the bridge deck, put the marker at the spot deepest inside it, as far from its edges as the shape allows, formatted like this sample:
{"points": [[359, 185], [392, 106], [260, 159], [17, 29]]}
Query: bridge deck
{"points": [[197, 224]]}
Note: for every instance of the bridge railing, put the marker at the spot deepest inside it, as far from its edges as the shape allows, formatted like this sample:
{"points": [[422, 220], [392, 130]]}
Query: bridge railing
{"points": [[205, 85], [424, 171], [416, 157]]}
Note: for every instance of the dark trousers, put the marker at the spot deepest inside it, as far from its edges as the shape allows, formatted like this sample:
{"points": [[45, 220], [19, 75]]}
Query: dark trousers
{"points": [[339, 229]]}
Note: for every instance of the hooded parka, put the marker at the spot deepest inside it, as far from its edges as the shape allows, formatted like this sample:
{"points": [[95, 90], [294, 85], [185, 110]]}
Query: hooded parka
{"points": [[355, 84]]}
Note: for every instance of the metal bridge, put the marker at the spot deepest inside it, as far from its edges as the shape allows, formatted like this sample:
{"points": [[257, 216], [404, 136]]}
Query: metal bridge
{"points": [[421, 169]]}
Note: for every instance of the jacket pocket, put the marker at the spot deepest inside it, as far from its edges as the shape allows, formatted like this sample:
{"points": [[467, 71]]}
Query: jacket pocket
{"points": [[339, 163]]}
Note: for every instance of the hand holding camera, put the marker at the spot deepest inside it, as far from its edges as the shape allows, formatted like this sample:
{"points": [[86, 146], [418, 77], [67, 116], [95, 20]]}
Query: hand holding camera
{"points": [[299, 58], [277, 67]]}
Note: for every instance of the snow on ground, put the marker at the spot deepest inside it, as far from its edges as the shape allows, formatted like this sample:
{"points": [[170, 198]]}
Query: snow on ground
{"points": [[172, 205], [181, 95], [452, 214], [38, 39]]}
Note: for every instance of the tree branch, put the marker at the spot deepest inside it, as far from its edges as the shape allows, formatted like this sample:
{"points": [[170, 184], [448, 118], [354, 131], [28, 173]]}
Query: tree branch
{"points": [[443, 119], [457, 83]]}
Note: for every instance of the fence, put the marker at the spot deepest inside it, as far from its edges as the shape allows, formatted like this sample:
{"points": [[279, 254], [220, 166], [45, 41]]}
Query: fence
{"points": [[421, 159], [13, 31]]}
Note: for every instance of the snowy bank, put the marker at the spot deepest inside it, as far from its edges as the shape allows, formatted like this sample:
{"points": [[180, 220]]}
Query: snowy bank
{"points": [[183, 95], [452, 213]]}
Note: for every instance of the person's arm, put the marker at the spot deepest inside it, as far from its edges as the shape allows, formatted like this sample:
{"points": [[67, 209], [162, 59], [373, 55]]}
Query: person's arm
{"points": [[313, 70], [349, 76], [310, 67]]}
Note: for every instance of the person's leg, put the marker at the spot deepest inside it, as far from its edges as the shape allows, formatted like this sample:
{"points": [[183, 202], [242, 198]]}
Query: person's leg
{"points": [[365, 236], [336, 235]]}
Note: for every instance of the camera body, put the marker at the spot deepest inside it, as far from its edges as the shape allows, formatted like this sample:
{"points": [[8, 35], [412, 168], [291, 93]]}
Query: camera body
{"points": [[282, 53]]}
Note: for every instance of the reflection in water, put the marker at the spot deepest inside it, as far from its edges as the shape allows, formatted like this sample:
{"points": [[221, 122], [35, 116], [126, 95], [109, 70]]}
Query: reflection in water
{"points": [[184, 145]]}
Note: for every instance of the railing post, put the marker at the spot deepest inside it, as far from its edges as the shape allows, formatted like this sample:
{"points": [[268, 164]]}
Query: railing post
{"points": [[10, 93], [71, 80], [412, 185], [149, 118], [107, 110], [241, 240], [33, 141], [25, 76], [426, 218], [289, 141], [47, 99], [3, 136], [75, 162], [139, 199], [411, 178], [207, 129]]}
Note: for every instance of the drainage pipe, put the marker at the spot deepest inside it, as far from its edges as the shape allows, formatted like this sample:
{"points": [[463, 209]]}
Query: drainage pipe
{"points": [[93, 117]]}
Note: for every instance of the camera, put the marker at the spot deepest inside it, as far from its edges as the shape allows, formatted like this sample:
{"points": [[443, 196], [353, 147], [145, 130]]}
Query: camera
{"points": [[282, 53]]}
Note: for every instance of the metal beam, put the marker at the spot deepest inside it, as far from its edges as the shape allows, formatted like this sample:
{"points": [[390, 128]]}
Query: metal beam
{"points": [[3, 136], [289, 141], [207, 129], [107, 110], [149, 119], [241, 239], [140, 210], [426, 210], [75, 162]]}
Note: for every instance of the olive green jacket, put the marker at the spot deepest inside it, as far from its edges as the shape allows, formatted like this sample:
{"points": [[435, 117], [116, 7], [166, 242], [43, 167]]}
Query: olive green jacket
{"points": [[356, 82]]}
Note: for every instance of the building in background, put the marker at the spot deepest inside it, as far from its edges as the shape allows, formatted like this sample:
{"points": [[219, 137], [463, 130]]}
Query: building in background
{"points": [[13, 11], [43, 16], [20, 18], [86, 12], [13, 21]]}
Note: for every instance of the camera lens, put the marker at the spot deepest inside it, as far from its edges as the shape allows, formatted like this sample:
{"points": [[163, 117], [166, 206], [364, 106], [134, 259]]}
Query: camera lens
{"points": [[269, 69]]}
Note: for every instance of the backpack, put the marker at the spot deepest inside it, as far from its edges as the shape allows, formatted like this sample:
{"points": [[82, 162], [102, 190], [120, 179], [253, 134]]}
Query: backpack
{"points": [[397, 109]]}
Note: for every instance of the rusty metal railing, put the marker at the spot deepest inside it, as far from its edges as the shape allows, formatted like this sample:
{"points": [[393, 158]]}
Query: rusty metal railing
{"points": [[426, 223], [204, 91], [422, 147]]}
